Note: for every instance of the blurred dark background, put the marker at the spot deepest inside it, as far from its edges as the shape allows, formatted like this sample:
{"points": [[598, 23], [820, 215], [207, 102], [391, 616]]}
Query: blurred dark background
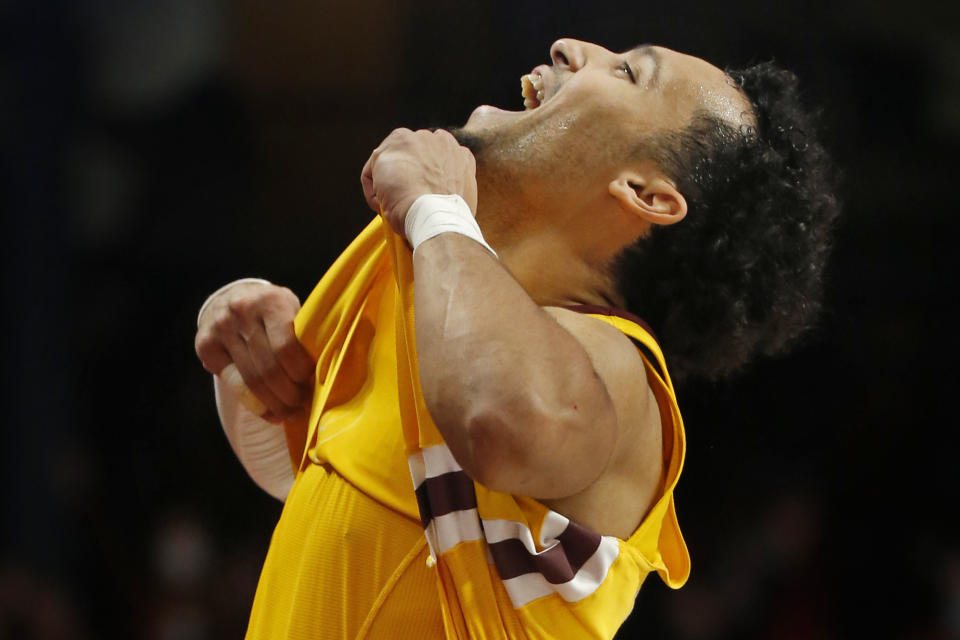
{"points": [[153, 150]]}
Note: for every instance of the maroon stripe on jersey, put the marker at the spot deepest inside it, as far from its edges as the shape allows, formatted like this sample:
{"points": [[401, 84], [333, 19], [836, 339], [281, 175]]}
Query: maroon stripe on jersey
{"points": [[512, 559], [442, 494], [423, 503], [557, 564], [579, 543]]}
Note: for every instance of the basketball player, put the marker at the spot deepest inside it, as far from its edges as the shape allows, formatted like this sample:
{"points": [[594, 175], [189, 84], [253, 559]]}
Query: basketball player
{"points": [[492, 452]]}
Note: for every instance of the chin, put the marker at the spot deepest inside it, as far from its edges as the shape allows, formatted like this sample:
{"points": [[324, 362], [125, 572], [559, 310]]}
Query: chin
{"points": [[486, 117]]}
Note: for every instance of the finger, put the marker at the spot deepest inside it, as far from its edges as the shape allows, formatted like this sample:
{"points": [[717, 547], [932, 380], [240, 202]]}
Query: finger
{"points": [[445, 135], [212, 355], [471, 183], [291, 355], [396, 136], [271, 372], [366, 181], [252, 377]]}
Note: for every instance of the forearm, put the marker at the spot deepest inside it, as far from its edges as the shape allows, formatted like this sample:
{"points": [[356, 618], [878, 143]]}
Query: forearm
{"points": [[509, 388]]}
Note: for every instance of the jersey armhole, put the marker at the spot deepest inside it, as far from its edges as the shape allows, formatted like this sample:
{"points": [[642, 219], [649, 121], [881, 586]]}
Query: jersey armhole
{"points": [[649, 355], [658, 538]]}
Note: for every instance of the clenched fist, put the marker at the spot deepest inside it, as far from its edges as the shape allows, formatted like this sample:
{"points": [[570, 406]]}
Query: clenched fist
{"points": [[251, 325], [408, 164]]}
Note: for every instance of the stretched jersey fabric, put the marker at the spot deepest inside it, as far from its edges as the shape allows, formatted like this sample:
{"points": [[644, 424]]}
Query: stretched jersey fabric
{"points": [[381, 509]]}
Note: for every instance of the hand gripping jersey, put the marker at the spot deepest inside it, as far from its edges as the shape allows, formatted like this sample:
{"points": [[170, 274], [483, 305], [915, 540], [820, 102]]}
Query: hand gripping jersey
{"points": [[383, 534]]}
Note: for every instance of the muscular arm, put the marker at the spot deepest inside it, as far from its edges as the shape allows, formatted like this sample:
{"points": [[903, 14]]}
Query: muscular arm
{"points": [[514, 394], [530, 402]]}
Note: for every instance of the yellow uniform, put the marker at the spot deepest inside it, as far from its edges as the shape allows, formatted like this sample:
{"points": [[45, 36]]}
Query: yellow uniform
{"points": [[384, 536]]}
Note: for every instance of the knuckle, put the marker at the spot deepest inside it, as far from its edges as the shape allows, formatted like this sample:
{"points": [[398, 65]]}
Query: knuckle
{"points": [[398, 133], [271, 296], [239, 305], [204, 347], [282, 303], [223, 323], [290, 295]]}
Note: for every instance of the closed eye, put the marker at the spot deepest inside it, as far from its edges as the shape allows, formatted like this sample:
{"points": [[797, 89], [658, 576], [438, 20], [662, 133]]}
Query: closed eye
{"points": [[626, 67]]}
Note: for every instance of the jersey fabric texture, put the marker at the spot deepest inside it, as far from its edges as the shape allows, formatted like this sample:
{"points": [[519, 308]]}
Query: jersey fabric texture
{"points": [[383, 535]]}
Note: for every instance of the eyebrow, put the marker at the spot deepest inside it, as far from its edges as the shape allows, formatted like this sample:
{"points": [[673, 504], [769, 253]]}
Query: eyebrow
{"points": [[648, 51]]}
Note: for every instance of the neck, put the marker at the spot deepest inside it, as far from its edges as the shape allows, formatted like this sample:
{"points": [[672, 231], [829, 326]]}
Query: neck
{"points": [[542, 251], [553, 276]]}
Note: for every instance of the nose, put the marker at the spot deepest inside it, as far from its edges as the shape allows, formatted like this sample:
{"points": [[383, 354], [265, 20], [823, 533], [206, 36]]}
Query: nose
{"points": [[568, 54]]}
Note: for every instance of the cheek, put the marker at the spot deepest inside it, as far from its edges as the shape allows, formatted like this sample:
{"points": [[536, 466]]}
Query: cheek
{"points": [[600, 129], [608, 117]]}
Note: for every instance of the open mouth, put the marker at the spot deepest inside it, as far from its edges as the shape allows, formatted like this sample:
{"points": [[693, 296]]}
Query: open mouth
{"points": [[531, 88]]}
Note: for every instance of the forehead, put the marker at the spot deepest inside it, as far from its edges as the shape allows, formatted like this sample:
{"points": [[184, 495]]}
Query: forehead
{"points": [[688, 79]]}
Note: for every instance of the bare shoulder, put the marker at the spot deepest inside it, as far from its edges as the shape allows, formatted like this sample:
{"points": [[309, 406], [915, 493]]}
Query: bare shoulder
{"points": [[614, 356], [617, 501]]}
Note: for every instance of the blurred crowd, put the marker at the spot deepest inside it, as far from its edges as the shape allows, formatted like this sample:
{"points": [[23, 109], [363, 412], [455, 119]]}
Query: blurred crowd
{"points": [[153, 150]]}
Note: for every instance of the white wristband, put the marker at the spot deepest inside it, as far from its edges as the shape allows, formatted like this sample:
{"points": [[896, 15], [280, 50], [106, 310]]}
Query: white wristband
{"points": [[432, 214], [229, 285]]}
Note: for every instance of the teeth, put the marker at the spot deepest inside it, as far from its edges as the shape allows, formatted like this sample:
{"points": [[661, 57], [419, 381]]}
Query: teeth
{"points": [[526, 87], [531, 88]]}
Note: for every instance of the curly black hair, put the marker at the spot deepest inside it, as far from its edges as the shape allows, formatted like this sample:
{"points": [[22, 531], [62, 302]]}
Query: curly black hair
{"points": [[741, 275]]}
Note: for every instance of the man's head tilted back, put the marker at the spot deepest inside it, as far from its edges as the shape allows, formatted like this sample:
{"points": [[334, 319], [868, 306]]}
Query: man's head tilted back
{"points": [[699, 199]]}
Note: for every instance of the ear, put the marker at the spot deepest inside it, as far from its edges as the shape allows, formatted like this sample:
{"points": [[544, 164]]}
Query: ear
{"points": [[650, 195]]}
